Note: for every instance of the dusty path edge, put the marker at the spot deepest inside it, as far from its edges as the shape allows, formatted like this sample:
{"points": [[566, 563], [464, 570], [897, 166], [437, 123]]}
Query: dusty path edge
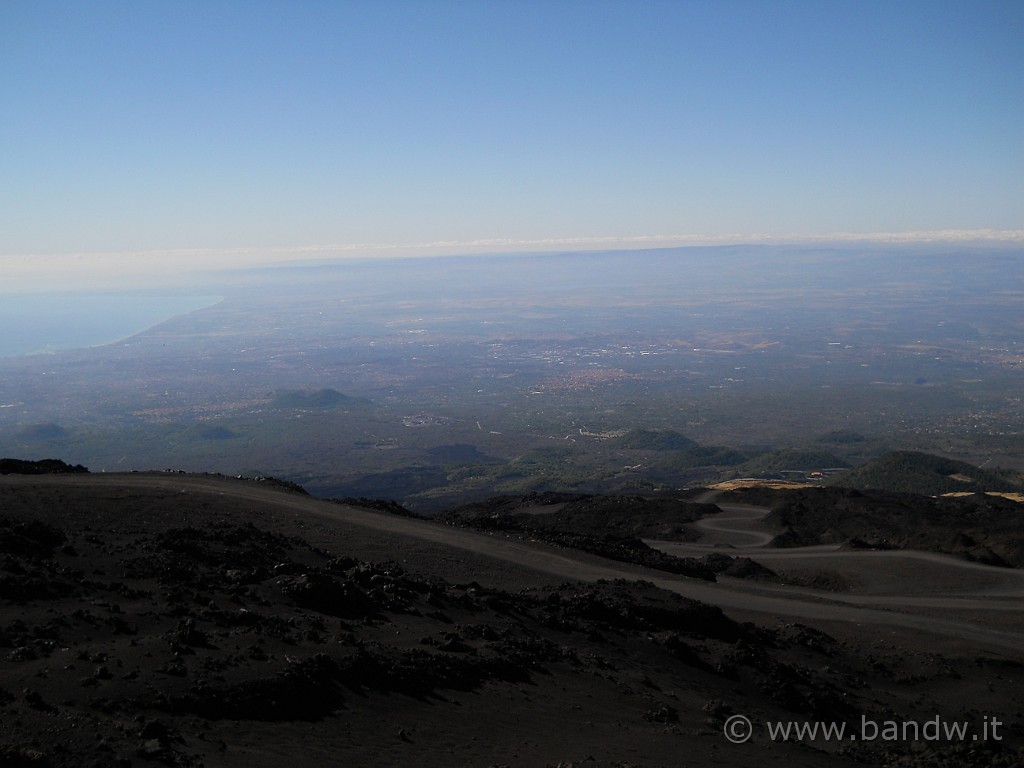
{"points": [[565, 564]]}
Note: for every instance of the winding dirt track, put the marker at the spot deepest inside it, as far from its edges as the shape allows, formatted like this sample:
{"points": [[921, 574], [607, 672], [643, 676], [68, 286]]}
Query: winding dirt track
{"points": [[738, 526]]}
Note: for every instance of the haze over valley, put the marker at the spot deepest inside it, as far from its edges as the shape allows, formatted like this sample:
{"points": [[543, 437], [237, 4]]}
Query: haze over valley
{"points": [[428, 381]]}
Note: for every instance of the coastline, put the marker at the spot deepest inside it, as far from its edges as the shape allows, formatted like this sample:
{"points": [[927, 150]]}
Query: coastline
{"points": [[47, 324]]}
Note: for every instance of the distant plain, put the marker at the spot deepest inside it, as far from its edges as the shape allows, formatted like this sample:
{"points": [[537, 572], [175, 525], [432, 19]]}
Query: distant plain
{"points": [[437, 380]]}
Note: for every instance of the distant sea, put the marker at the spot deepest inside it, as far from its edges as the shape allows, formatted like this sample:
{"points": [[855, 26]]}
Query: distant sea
{"points": [[44, 323]]}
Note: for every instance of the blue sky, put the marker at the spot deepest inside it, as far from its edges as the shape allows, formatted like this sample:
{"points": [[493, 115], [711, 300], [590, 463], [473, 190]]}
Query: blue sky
{"points": [[152, 126]]}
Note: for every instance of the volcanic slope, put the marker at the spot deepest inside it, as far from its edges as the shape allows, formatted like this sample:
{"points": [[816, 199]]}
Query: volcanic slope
{"points": [[208, 621]]}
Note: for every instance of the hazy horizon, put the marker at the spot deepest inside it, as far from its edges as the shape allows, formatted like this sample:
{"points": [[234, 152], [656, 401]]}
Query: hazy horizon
{"points": [[175, 137], [188, 270]]}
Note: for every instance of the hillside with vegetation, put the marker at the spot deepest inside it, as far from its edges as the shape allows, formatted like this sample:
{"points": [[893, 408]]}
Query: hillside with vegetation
{"points": [[923, 473], [790, 460]]}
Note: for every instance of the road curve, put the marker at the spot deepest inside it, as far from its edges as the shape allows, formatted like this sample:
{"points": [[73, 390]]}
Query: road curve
{"points": [[571, 564], [736, 526]]}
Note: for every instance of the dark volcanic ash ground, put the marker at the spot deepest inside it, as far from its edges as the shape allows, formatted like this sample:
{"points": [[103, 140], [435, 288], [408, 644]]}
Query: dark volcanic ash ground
{"points": [[172, 620]]}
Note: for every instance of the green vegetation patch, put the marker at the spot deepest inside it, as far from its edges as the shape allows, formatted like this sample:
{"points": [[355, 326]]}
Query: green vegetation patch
{"points": [[791, 460], [922, 473]]}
